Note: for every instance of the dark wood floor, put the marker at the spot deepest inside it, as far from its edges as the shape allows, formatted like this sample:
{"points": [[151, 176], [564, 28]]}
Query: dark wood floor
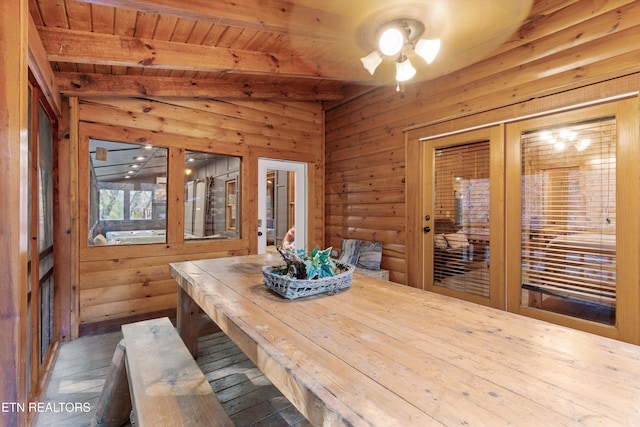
{"points": [[247, 395]]}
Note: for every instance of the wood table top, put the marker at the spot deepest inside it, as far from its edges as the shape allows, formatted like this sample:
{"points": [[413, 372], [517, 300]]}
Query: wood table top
{"points": [[385, 354]]}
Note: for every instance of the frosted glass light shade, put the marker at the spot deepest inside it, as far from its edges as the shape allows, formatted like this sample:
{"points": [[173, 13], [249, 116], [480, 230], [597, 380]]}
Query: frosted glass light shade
{"points": [[428, 49], [371, 61], [391, 41], [404, 70]]}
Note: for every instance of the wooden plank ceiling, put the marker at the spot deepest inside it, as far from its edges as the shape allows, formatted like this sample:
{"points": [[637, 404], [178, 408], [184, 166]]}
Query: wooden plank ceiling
{"points": [[261, 49]]}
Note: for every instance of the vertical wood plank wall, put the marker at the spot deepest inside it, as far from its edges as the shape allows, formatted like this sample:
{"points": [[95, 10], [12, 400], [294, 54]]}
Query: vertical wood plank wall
{"points": [[564, 45], [116, 282]]}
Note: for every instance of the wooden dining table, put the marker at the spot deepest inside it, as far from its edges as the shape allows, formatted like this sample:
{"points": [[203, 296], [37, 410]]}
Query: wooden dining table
{"points": [[384, 354]]}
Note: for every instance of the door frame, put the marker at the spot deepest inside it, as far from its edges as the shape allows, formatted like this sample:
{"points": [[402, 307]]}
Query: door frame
{"points": [[301, 199]]}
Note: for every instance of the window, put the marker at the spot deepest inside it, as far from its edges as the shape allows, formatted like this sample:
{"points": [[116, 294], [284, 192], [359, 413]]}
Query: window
{"points": [[140, 205], [211, 202], [231, 195], [111, 204], [127, 193]]}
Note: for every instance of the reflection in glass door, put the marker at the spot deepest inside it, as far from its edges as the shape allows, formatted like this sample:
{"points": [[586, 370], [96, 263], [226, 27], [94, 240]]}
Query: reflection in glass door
{"points": [[569, 219], [461, 218]]}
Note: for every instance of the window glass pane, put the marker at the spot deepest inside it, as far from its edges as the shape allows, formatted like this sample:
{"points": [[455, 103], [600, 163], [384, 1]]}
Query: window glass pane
{"points": [[461, 223], [45, 173], [30, 207], [111, 204], [45, 231], [212, 196], [127, 193], [140, 205], [281, 205], [569, 220]]}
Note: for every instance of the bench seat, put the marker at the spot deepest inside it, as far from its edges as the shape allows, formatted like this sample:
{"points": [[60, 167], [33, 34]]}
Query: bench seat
{"points": [[379, 274], [167, 387]]}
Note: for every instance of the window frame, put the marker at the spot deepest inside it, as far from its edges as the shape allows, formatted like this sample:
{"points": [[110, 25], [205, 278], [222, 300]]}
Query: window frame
{"points": [[174, 195]]}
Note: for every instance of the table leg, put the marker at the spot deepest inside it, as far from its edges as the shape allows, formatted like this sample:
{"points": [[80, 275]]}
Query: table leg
{"points": [[187, 321]]}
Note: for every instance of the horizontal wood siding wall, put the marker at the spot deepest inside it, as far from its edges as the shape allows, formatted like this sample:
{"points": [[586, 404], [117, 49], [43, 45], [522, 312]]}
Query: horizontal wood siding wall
{"points": [[117, 282], [565, 44]]}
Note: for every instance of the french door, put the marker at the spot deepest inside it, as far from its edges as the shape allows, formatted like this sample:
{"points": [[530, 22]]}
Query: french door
{"points": [[463, 210], [539, 216], [573, 236]]}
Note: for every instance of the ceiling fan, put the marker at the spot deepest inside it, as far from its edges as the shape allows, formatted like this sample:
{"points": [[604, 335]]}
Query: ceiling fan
{"points": [[394, 39], [424, 39]]}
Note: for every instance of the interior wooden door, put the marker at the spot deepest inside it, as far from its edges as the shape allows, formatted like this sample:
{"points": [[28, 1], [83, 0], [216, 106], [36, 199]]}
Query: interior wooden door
{"points": [[463, 209]]}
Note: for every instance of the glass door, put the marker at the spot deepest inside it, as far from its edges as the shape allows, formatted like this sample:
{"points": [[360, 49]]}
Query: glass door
{"points": [[41, 297], [571, 180], [463, 210], [286, 203]]}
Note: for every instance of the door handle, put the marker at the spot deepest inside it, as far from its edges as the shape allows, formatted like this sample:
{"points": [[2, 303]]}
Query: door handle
{"points": [[259, 233], [426, 229]]}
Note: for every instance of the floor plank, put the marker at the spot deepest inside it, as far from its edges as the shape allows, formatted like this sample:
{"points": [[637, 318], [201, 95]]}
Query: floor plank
{"points": [[82, 365]]}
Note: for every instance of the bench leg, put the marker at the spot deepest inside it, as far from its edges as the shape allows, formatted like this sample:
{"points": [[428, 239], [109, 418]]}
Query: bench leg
{"points": [[187, 321], [535, 299], [114, 406]]}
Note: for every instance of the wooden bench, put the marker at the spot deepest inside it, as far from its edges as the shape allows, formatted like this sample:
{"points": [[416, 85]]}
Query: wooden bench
{"points": [[600, 296], [581, 267], [167, 387], [353, 255], [379, 274]]}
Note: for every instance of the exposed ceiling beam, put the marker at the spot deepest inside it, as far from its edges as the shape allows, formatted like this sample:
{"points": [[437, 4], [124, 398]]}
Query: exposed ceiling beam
{"points": [[279, 16], [105, 49], [41, 69], [83, 84]]}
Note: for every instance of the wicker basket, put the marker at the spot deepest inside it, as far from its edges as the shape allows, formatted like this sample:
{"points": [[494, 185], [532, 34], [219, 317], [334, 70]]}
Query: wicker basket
{"points": [[290, 287]]}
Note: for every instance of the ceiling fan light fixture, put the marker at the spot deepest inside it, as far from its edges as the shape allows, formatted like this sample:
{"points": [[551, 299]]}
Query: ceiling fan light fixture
{"points": [[397, 39], [371, 61], [427, 49], [391, 41], [404, 69]]}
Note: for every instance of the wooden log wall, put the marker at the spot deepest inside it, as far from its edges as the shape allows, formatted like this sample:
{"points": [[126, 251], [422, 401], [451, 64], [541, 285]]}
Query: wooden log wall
{"points": [[564, 45], [118, 282]]}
